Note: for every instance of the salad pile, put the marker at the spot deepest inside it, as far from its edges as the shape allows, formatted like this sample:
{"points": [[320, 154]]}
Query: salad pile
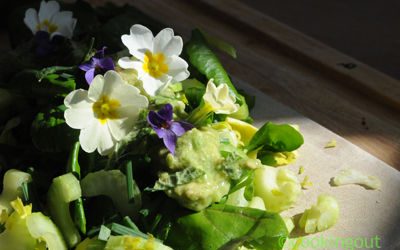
{"points": [[116, 134]]}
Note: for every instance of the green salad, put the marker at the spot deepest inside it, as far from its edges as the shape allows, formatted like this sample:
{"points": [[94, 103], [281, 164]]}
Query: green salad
{"points": [[117, 134]]}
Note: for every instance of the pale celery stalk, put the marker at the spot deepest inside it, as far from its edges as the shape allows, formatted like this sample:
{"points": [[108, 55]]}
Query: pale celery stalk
{"points": [[12, 182], [112, 184], [63, 190]]}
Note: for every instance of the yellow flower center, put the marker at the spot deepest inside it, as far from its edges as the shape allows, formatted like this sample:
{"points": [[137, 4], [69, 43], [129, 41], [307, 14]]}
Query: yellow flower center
{"points": [[51, 27], [154, 64], [106, 108]]}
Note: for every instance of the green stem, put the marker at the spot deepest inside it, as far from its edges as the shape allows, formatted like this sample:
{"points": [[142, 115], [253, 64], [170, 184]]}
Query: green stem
{"points": [[200, 113], [74, 168]]}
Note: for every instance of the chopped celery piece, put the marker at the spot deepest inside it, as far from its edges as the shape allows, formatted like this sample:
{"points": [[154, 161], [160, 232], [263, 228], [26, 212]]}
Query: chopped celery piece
{"points": [[137, 243], [91, 244], [27, 230], [64, 190], [289, 223], [41, 227], [104, 233], [113, 184], [331, 144], [321, 216], [306, 183], [12, 182], [237, 199], [278, 187], [352, 176], [257, 202]]}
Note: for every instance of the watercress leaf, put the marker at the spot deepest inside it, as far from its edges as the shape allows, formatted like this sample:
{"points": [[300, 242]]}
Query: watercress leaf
{"points": [[220, 44], [194, 91], [207, 63], [276, 138], [168, 181], [228, 227], [50, 133]]}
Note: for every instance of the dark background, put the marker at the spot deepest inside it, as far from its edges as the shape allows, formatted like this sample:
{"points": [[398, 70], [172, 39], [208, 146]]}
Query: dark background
{"points": [[368, 30]]}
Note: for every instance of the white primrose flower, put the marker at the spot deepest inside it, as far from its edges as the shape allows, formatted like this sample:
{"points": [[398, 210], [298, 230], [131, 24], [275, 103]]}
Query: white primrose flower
{"points": [[219, 99], [156, 59], [50, 19], [104, 114]]}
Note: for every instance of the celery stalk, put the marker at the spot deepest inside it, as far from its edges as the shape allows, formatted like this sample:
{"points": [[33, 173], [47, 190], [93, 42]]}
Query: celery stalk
{"points": [[42, 228], [12, 182], [113, 184], [63, 190]]}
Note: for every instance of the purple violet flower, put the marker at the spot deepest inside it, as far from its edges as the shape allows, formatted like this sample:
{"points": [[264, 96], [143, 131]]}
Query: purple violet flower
{"points": [[98, 64], [166, 128]]}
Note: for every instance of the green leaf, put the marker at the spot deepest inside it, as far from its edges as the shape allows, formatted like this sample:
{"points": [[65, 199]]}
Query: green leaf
{"points": [[276, 138], [220, 44], [168, 181], [50, 133], [194, 91], [202, 58], [44, 83], [205, 61], [228, 227]]}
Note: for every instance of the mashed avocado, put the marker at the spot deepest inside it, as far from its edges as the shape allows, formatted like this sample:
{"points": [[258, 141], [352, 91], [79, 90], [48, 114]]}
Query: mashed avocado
{"points": [[199, 149]]}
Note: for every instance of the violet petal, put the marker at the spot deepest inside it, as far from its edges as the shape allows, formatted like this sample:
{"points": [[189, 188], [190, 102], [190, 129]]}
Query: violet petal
{"points": [[87, 65], [166, 112], [155, 120], [187, 126], [106, 63], [177, 128], [170, 141], [100, 52], [89, 75]]}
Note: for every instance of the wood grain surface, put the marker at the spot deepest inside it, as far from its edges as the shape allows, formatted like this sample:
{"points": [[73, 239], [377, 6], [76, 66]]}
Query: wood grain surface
{"points": [[361, 107]]}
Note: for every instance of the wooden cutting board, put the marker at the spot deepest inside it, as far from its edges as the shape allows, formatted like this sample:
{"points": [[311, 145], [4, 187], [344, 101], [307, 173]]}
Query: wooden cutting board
{"points": [[361, 104], [364, 214]]}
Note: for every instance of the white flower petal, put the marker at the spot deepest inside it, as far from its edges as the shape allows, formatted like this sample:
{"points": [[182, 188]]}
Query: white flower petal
{"points": [[47, 10], [219, 98], [165, 42], [31, 19], [151, 85], [90, 136], [79, 118], [112, 84], [119, 128], [139, 40], [127, 63], [77, 99], [178, 68], [96, 88], [106, 141], [65, 23], [128, 95], [223, 92]]}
